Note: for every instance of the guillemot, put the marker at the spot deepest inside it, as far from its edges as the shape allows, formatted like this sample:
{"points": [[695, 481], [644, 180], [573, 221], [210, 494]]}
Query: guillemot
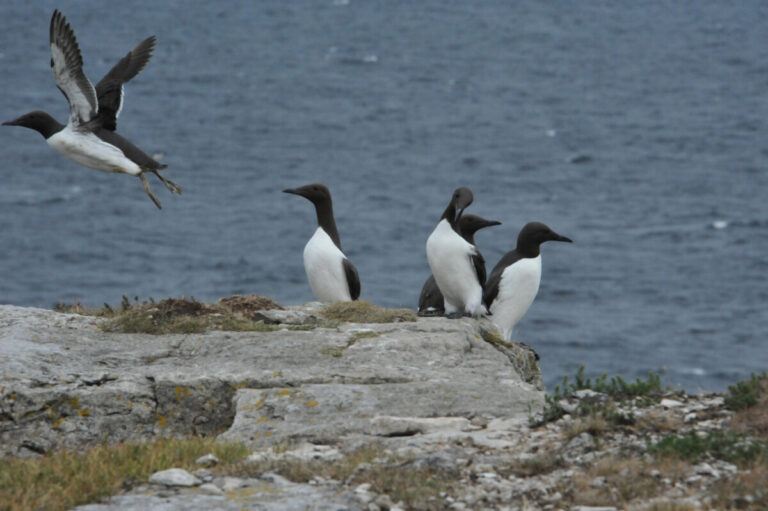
{"points": [[431, 301], [332, 277], [514, 281], [89, 137], [453, 261]]}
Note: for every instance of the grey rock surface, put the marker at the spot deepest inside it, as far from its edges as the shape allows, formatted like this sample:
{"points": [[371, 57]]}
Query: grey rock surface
{"points": [[270, 492], [66, 383]]}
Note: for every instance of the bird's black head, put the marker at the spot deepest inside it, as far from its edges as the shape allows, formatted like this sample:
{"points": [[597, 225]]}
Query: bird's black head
{"points": [[316, 192], [533, 235], [470, 224], [38, 121], [461, 198]]}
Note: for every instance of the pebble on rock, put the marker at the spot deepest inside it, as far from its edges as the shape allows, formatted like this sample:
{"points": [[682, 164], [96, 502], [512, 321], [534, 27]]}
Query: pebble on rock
{"points": [[174, 477], [210, 489], [208, 459]]}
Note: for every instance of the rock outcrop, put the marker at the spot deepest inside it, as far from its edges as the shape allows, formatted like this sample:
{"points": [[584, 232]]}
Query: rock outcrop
{"points": [[67, 383]]}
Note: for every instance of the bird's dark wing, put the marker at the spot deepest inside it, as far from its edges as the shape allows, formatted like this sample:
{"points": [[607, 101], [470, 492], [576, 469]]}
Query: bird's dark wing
{"points": [[67, 66], [110, 89], [431, 300], [479, 261], [491, 289], [353, 280]]}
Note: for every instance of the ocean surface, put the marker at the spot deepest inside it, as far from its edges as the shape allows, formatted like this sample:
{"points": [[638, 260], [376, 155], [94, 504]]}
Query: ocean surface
{"points": [[638, 129]]}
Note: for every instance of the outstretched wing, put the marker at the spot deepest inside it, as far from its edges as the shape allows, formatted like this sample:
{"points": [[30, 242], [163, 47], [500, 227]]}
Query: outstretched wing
{"points": [[110, 89], [67, 66], [353, 280]]}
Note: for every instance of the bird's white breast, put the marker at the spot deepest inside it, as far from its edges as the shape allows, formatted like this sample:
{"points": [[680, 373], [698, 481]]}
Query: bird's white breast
{"points": [[87, 149], [518, 286], [324, 263], [449, 256]]}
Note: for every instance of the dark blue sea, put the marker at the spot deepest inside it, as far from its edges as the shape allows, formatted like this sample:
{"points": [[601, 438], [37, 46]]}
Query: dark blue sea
{"points": [[638, 129]]}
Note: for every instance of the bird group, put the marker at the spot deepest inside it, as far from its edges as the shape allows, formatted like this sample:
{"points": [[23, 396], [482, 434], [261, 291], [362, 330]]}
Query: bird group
{"points": [[458, 284]]}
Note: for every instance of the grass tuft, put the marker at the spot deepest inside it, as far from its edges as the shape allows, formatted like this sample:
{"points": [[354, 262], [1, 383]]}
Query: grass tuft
{"points": [[724, 446], [181, 315], [747, 393], [624, 481], [366, 312], [417, 485], [65, 479], [534, 466], [640, 392]]}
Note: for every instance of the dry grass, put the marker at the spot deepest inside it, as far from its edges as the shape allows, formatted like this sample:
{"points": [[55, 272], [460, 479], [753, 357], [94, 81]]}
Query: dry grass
{"points": [[594, 424], [542, 464], [366, 312], [417, 486], [753, 420], [670, 506], [65, 479], [658, 421], [737, 491], [624, 480], [180, 315], [79, 308]]}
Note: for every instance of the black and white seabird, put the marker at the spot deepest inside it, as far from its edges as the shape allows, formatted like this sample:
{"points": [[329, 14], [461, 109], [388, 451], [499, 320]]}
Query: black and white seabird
{"points": [[89, 137], [331, 275], [431, 301], [514, 281], [453, 261]]}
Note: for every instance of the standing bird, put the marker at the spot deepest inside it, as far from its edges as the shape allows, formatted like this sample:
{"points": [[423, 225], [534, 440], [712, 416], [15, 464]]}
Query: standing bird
{"points": [[431, 301], [514, 281], [331, 275], [454, 262], [89, 137]]}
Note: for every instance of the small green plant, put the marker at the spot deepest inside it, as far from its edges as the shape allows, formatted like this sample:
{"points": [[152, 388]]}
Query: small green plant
{"points": [[725, 446], [745, 394], [617, 387], [640, 392]]}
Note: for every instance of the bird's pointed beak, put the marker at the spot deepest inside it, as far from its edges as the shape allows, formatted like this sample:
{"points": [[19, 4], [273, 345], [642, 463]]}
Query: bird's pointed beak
{"points": [[491, 223], [458, 215], [294, 191], [11, 123], [557, 237]]}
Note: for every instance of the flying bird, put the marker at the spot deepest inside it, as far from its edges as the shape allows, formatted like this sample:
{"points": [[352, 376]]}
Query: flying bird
{"points": [[89, 137]]}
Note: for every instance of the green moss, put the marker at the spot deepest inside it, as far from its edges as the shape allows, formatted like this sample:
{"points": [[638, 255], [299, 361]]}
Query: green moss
{"points": [[337, 351], [366, 312]]}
